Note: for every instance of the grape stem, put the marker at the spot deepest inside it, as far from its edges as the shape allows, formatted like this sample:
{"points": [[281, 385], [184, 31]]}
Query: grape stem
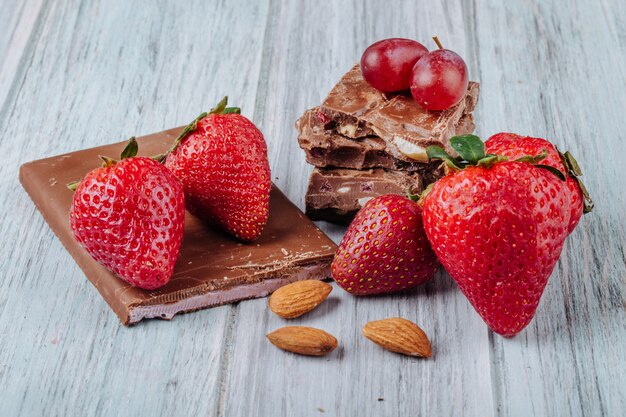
{"points": [[436, 39]]}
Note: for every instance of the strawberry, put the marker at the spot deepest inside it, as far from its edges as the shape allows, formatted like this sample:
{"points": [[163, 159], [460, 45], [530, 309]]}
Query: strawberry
{"points": [[129, 216], [498, 227], [221, 160], [515, 146], [384, 249]]}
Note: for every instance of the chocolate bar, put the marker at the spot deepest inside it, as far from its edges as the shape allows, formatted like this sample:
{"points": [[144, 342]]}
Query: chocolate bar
{"points": [[355, 110], [336, 195], [213, 268]]}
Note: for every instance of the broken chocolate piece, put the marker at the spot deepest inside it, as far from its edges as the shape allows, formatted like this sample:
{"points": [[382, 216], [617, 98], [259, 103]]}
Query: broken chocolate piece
{"points": [[327, 148], [365, 143], [355, 109], [212, 269], [336, 195]]}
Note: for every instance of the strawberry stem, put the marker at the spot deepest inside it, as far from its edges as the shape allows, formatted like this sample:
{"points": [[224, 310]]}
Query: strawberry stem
{"points": [[130, 151], [107, 162], [220, 108], [185, 132]]}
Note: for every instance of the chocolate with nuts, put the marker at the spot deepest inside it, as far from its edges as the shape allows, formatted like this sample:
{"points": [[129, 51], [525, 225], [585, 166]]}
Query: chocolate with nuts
{"points": [[365, 143], [404, 129], [338, 194]]}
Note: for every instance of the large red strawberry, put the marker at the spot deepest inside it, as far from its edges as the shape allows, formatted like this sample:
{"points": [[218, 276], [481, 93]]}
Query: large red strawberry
{"points": [[221, 160], [384, 249], [129, 215], [516, 146], [498, 227]]}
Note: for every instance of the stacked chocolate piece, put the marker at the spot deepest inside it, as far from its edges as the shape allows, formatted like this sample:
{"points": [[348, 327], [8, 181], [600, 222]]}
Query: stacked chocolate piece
{"points": [[364, 143]]}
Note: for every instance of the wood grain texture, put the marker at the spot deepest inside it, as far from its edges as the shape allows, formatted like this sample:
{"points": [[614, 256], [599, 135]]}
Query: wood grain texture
{"points": [[77, 74], [18, 20], [552, 72], [99, 72]]}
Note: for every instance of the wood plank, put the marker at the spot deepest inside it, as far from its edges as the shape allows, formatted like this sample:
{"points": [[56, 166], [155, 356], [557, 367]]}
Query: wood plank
{"points": [[95, 72], [102, 71], [18, 20], [557, 72], [324, 41]]}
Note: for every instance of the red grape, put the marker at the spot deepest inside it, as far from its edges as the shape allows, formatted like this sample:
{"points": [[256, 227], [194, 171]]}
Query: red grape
{"points": [[439, 80], [386, 65]]}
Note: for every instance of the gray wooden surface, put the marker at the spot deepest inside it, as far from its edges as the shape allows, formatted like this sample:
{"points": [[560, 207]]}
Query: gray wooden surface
{"points": [[76, 74]]}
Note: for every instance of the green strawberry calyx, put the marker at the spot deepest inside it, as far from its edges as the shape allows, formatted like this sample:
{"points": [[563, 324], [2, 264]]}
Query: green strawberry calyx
{"points": [[471, 151], [130, 151], [220, 108]]}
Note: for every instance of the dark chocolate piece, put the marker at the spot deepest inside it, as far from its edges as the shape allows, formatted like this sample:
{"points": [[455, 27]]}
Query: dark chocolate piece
{"points": [[213, 268], [354, 109], [336, 195]]}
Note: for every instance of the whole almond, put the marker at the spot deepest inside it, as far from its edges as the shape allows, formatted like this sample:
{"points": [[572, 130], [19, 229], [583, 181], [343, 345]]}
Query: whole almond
{"points": [[399, 335], [298, 298], [303, 340]]}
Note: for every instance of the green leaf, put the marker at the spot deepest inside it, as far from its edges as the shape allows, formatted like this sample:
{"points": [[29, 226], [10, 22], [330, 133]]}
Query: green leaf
{"points": [[436, 152], [232, 110], [533, 159], [572, 164], [411, 196], [426, 191], [160, 158], [469, 147], [587, 201], [185, 132], [131, 149], [188, 129], [487, 161], [574, 171], [219, 109], [73, 185], [552, 170], [490, 159]]}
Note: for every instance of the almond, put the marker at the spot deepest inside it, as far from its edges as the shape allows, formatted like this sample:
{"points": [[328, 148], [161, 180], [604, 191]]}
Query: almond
{"points": [[303, 340], [399, 335], [297, 298]]}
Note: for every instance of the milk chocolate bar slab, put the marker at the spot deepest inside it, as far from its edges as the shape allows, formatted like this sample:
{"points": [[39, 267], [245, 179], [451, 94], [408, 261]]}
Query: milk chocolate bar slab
{"points": [[354, 109], [326, 148], [213, 268], [336, 195]]}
